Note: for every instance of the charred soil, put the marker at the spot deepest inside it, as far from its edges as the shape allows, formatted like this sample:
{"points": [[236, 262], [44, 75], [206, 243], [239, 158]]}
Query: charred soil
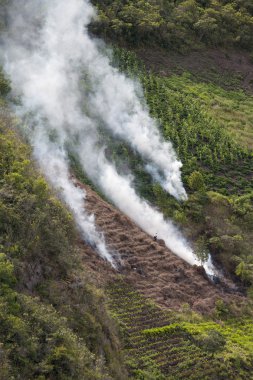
{"points": [[148, 265]]}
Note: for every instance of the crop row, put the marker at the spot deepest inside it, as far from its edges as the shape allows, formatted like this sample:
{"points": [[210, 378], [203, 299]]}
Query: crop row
{"points": [[179, 349]]}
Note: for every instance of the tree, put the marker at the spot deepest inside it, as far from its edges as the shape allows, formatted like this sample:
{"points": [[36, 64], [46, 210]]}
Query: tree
{"points": [[196, 181]]}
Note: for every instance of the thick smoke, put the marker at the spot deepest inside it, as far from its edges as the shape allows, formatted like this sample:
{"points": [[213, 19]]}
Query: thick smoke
{"points": [[70, 90], [116, 104], [55, 165]]}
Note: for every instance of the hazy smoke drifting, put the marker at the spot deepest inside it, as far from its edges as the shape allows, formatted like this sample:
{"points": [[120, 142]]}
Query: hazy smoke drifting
{"points": [[55, 165], [70, 91]]}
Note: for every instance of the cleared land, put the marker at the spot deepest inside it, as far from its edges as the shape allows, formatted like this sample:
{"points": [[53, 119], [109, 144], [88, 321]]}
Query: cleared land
{"points": [[151, 267]]}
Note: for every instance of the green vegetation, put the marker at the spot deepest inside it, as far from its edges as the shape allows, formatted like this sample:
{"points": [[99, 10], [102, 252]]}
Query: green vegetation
{"points": [[217, 170], [180, 24], [53, 321], [4, 84], [181, 345], [232, 110], [225, 223], [201, 141]]}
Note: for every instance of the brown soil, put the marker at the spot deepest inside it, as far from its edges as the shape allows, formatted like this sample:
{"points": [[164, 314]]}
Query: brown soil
{"points": [[148, 265], [218, 66]]}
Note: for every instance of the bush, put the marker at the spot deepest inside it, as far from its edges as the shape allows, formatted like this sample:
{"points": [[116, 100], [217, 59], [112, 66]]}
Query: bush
{"points": [[196, 181], [211, 341]]}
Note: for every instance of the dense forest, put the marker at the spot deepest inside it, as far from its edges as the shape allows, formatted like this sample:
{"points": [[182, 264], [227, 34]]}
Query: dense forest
{"points": [[177, 24], [57, 321]]}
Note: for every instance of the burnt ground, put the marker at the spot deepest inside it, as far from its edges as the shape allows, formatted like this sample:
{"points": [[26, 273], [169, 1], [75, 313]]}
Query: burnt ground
{"points": [[231, 69], [149, 266]]}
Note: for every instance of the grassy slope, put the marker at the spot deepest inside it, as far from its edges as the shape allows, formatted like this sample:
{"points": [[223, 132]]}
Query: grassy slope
{"points": [[181, 107], [53, 321], [211, 129], [233, 110]]}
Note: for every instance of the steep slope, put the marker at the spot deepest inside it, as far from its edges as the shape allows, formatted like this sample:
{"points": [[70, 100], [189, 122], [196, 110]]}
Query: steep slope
{"points": [[178, 346], [53, 320], [228, 68], [182, 25], [150, 266], [203, 121]]}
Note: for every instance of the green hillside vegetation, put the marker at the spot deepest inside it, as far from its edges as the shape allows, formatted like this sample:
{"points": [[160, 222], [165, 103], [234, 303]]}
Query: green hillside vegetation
{"points": [[232, 110], [217, 169], [184, 345], [53, 321], [197, 132], [180, 24]]}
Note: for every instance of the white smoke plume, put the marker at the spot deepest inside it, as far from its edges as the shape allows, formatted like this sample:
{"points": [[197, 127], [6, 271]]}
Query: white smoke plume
{"points": [[116, 103], [54, 162], [50, 57]]}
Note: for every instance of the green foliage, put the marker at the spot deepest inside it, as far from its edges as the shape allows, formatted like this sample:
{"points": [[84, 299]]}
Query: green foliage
{"points": [[39, 267], [231, 109], [196, 181], [4, 84], [201, 141], [212, 341], [227, 230], [201, 249], [49, 229], [132, 20], [180, 345], [6, 271], [220, 220], [245, 271], [222, 311], [39, 342], [182, 24]]}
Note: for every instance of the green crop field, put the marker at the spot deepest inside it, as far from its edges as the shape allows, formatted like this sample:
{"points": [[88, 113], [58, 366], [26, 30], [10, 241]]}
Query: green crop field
{"points": [[167, 345], [233, 110]]}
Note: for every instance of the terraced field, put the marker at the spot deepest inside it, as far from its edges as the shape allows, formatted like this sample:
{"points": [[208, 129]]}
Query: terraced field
{"points": [[150, 266], [164, 345], [155, 297]]}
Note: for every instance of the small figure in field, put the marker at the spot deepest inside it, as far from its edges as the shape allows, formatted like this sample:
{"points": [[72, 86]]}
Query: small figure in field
{"points": [[155, 237]]}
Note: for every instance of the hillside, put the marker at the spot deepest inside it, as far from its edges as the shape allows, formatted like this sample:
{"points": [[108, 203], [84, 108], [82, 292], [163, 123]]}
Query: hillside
{"points": [[54, 321], [182, 24], [151, 268], [216, 164], [91, 145]]}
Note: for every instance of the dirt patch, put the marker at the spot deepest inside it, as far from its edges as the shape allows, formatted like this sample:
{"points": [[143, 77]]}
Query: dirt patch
{"points": [[230, 69], [147, 265]]}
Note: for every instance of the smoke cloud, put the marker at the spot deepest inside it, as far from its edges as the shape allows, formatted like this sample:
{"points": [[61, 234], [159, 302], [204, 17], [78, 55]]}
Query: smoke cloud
{"points": [[54, 162], [70, 92]]}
